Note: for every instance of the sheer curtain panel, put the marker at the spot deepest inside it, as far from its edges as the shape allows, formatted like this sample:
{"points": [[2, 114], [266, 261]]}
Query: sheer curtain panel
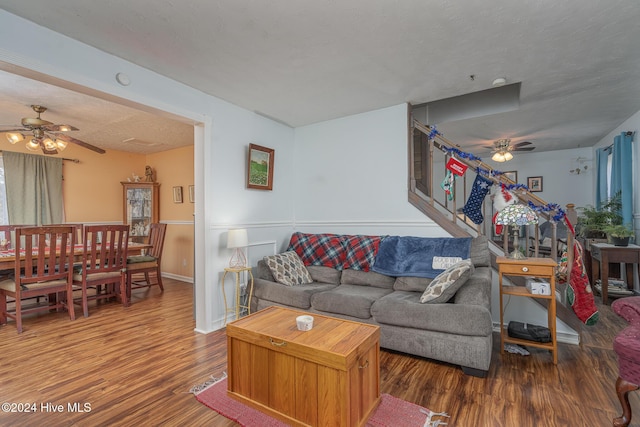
{"points": [[34, 188]]}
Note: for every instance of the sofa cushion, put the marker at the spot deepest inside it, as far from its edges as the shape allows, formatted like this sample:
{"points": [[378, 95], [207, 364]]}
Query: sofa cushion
{"points": [[288, 269], [361, 252], [328, 250], [404, 309], [366, 278], [411, 284], [480, 255], [323, 274], [298, 296], [352, 300], [445, 285]]}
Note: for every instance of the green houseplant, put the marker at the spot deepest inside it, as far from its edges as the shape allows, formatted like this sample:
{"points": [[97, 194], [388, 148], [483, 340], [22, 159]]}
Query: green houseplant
{"points": [[619, 234], [593, 221]]}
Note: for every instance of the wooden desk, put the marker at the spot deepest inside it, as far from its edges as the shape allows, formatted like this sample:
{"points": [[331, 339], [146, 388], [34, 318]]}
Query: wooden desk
{"points": [[604, 253], [8, 258]]}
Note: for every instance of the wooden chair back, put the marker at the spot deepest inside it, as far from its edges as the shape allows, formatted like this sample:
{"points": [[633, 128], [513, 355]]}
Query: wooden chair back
{"points": [[7, 235], [156, 239], [48, 254], [105, 248]]}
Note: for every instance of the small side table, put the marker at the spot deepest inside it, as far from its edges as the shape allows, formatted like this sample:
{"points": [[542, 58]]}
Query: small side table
{"points": [[238, 306], [534, 267], [603, 254]]}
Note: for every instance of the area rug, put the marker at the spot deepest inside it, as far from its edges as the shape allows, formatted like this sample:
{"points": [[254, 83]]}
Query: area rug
{"points": [[213, 394]]}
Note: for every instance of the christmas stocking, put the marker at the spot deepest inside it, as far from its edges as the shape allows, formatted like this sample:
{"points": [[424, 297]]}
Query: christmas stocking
{"points": [[448, 184], [473, 207]]}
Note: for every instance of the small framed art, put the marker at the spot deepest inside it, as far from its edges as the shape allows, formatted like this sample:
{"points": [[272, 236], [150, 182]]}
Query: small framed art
{"points": [[260, 167], [177, 194], [512, 175], [192, 193], [534, 183]]}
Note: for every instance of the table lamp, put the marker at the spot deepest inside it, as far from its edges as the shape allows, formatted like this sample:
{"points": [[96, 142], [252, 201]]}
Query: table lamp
{"points": [[237, 240], [516, 215]]}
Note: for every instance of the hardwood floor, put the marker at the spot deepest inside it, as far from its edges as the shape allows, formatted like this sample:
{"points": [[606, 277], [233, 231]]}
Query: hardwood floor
{"points": [[135, 366]]}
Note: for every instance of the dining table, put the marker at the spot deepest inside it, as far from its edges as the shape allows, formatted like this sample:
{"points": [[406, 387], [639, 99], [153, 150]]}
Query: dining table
{"points": [[8, 256]]}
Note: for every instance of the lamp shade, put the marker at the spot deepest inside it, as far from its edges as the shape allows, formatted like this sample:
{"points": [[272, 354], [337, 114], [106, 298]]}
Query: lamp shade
{"points": [[237, 238], [517, 215], [502, 156]]}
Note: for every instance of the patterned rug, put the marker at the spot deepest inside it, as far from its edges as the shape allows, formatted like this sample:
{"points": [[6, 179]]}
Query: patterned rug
{"points": [[213, 394]]}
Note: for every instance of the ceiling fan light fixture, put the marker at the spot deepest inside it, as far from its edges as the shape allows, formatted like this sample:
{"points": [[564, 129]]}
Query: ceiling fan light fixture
{"points": [[60, 144], [49, 144], [33, 145], [508, 156], [14, 137]]}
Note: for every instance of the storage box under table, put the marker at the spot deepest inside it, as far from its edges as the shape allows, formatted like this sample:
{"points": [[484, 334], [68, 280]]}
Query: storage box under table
{"points": [[328, 376]]}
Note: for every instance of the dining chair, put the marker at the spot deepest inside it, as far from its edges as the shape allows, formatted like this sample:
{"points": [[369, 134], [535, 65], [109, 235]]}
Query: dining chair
{"points": [[7, 235], [148, 263], [79, 230], [104, 262], [44, 270]]}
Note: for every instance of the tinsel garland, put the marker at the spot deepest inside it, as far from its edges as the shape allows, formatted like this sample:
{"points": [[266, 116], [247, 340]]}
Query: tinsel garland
{"points": [[550, 207], [433, 132], [460, 153]]}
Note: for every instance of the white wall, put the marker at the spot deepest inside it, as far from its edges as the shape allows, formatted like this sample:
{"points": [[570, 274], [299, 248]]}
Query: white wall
{"points": [[351, 176], [558, 185], [222, 135]]}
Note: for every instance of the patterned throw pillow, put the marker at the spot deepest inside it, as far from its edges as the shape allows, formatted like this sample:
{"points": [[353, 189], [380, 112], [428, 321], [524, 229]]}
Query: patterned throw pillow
{"points": [[446, 284], [361, 252], [328, 250], [288, 269]]}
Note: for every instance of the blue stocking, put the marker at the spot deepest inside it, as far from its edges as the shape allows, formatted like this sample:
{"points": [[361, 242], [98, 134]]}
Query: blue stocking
{"points": [[473, 207]]}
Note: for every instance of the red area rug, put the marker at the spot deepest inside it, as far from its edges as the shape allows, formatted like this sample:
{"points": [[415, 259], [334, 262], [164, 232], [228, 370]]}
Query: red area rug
{"points": [[389, 413]]}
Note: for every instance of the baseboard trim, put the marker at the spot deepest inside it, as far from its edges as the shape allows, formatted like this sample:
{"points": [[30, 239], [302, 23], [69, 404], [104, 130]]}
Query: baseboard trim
{"points": [[185, 279]]}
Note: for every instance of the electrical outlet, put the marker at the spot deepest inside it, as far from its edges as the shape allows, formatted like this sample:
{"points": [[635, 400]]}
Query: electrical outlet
{"points": [[184, 262]]}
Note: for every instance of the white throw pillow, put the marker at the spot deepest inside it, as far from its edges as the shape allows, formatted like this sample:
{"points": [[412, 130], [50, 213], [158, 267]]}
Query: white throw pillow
{"points": [[446, 284], [287, 268]]}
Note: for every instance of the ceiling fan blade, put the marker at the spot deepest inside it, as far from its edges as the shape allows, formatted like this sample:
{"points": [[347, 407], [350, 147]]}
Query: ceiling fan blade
{"points": [[521, 144], [68, 138], [60, 128], [12, 128], [524, 149]]}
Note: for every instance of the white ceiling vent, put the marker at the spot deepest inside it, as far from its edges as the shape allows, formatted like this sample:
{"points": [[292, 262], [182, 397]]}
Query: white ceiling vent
{"points": [[136, 141]]}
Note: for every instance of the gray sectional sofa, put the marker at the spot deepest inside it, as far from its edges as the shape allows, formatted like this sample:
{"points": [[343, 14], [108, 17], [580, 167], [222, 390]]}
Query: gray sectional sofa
{"points": [[457, 332]]}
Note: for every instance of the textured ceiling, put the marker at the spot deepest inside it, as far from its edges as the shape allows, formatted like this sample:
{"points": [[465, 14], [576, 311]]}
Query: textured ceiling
{"points": [[303, 61]]}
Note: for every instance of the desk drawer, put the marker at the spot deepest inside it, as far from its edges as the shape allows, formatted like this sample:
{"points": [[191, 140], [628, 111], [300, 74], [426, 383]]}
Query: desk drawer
{"points": [[524, 269]]}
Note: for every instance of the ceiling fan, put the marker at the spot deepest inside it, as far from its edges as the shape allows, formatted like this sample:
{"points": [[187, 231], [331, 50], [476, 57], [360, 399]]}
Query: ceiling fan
{"points": [[47, 136], [502, 149]]}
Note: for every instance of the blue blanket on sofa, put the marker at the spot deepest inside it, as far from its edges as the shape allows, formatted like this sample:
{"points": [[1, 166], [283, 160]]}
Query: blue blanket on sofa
{"points": [[413, 256]]}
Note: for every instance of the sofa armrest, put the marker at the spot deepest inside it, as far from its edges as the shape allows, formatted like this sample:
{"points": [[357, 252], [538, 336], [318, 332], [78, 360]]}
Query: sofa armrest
{"points": [[628, 308], [262, 271], [477, 289]]}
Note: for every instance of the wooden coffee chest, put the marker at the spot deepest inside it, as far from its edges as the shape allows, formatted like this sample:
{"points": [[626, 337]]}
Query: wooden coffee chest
{"points": [[328, 376]]}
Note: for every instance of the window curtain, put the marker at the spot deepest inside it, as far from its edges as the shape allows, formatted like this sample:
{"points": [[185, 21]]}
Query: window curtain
{"points": [[34, 188], [622, 174], [602, 190]]}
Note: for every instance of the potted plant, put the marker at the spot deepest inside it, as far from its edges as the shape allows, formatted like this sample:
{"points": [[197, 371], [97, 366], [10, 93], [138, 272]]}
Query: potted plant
{"points": [[593, 221], [619, 234]]}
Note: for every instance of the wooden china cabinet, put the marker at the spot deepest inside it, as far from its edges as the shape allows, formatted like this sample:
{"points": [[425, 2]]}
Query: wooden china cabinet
{"points": [[141, 208]]}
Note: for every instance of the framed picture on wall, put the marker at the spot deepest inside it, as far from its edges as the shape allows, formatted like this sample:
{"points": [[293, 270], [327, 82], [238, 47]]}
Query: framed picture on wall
{"points": [[534, 183], [512, 175], [260, 167], [192, 193], [177, 194]]}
